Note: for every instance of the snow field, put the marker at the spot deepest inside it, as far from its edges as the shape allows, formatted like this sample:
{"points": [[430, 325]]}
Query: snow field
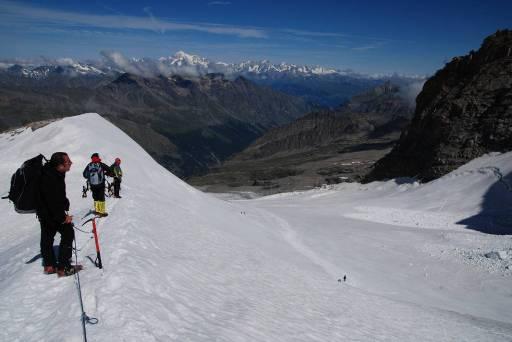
{"points": [[181, 265]]}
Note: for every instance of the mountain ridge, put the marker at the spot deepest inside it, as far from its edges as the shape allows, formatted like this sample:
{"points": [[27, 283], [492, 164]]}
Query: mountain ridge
{"points": [[320, 86], [463, 111], [202, 67], [327, 146], [186, 124]]}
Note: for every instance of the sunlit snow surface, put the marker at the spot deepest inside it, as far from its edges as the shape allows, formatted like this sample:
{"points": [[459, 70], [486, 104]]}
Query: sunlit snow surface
{"points": [[181, 265]]}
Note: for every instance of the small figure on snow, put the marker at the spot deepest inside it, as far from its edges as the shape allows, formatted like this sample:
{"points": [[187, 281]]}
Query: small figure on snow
{"points": [[118, 175]]}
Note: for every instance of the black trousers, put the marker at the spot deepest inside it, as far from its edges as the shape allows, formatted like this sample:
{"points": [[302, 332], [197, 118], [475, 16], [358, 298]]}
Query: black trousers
{"points": [[48, 230], [98, 192], [117, 186]]}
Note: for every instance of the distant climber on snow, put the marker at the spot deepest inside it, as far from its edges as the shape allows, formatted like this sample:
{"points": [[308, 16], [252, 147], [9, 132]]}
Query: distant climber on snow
{"points": [[95, 172]]}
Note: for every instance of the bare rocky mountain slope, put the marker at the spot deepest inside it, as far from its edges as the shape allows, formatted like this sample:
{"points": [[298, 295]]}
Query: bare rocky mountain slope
{"points": [[464, 111], [327, 146], [185, 124]]}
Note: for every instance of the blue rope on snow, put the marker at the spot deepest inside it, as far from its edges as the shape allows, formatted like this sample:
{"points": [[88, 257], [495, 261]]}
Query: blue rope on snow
{"points": [[84, 317]]}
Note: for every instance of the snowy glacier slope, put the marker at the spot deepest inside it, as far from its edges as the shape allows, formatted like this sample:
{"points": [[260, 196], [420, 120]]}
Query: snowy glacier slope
{"points": [[181, 265]]}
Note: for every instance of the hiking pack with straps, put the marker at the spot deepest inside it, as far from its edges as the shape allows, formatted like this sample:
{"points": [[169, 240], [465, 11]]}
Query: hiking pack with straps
{"points": [[24, 191], [95, 174]]}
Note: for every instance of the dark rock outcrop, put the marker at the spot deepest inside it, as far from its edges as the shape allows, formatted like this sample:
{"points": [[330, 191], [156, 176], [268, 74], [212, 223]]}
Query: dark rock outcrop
{"points": [[463, 111]]}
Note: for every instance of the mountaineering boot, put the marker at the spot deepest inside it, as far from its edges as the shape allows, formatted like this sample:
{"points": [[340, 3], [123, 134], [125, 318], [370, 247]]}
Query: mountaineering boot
{"points": [[49, 269], [68, 270], [78, 267]]}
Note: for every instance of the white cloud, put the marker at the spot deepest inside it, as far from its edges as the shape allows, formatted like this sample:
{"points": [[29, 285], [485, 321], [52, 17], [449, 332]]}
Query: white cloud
{"points": [[219, 3], [368, 47], [148, 67], [145, 68], [411, 91], [65, 61], [23, 13], [314, 33]]}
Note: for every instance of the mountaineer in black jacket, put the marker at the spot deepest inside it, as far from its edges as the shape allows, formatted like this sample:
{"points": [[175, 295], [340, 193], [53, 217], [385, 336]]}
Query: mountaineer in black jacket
{"points": [[52, 214]]}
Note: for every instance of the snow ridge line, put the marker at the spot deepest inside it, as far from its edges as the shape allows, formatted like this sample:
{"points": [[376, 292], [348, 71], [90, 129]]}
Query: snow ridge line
{"points": [[497, 172], [494, 169]]}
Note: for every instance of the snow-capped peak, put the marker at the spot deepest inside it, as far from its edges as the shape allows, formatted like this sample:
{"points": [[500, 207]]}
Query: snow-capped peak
{"points": [[86, 69], [265, 66], [181, 62], [64, 66], [182, 58]]}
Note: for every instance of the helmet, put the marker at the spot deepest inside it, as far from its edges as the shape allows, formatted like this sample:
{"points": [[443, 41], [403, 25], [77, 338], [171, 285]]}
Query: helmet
{"points": [[95, 158], [118, 161]]}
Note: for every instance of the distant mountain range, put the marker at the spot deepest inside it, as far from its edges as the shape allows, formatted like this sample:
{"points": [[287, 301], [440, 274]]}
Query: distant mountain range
{"points": [[188, 112], [378, 112], [265, 67], [192, 64], [186, 124], [328, 146], [46, 71], [318, 85]]}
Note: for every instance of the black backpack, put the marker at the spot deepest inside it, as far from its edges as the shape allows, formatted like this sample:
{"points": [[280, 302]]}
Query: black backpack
{"points": [[24, 192]]}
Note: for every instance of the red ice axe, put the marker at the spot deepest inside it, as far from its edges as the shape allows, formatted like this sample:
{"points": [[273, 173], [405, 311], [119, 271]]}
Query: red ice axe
{"points": [[97, 262]]}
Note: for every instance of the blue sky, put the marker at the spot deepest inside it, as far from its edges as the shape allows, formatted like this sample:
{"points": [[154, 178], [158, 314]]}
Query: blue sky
{"points": [[367, 36]]}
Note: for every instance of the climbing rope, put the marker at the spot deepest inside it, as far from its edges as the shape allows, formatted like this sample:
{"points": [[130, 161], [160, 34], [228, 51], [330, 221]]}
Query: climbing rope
{"points": [[81, 230], [85, 232], [84, 317]]}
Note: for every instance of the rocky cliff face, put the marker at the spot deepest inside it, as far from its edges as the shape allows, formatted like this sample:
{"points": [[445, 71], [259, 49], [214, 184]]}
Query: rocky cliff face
{"points": [[464, 111]]}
